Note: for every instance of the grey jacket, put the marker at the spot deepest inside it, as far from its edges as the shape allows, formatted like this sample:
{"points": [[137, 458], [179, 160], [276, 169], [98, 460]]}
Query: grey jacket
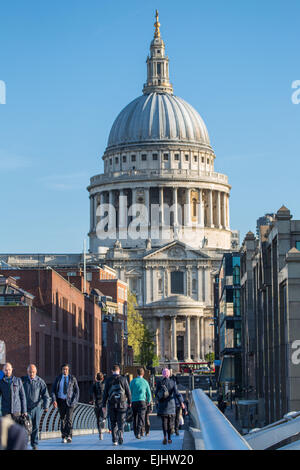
{"points": [[36, 392], [13, 399]]}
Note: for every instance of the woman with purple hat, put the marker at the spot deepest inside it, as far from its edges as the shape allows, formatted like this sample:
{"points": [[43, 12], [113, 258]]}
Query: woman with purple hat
{"points": [[166, 391]]}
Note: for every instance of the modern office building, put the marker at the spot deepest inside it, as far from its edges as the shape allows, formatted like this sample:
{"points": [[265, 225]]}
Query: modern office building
{"points": [[228, 339]]}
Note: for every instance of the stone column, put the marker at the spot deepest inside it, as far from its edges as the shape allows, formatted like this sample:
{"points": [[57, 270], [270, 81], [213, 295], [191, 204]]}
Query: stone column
{"points": [[207, 287], [187, 339], [210, 206], [200, 209], [202, 337], [91, 212], [174, 339], [223, 223], [95, 218], [175, 205], [122, 214], [218, 209], [162, 338], [147, 286], [148, 209], [227, 221], [161, 205], [200, 284], [111, 218], [187, 207], [197, 331]]}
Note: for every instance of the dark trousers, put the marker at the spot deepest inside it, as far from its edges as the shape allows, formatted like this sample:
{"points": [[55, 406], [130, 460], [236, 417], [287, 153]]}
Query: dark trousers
{"points": [[177, 417], [139, 412], [100, 418], [146, 429], [35, 415], [117, 422], [167, 425], [66, 416]]}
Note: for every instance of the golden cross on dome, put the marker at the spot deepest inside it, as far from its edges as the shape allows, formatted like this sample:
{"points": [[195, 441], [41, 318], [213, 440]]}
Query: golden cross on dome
{"points": [[157, 25]]}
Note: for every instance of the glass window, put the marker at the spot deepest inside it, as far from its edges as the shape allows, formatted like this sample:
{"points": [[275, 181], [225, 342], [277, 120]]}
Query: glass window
{"points": [[124, 158], [186, 158], [298, 245], [117, 159], [195, 158], [133, 158], [166, 156], [110, 161], [177, 282], [176, 156], [202, 159], [144, 157], [158, 68], [154, 156]]}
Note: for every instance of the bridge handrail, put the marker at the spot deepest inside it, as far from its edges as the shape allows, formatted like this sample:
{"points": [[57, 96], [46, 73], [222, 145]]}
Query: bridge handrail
{"points": [[84, 418], [217, 433]]}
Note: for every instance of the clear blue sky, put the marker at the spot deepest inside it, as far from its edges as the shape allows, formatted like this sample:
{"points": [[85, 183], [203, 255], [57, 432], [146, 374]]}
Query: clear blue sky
{"points": [[70, 67]]}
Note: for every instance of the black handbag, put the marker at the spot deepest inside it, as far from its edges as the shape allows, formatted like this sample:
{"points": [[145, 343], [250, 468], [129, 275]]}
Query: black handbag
{"points": [[25, 421], [129, 415]]}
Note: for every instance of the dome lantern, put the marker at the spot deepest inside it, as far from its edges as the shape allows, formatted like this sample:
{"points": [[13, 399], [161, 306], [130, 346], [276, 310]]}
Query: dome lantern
{"points": [[157, 65]]}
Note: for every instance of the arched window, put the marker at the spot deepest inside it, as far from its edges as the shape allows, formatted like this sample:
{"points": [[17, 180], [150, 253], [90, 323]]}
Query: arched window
{"points": [[194, 285]]}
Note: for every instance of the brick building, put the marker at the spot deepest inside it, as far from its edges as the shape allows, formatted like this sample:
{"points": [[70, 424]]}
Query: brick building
{"points": [[60, 324]]}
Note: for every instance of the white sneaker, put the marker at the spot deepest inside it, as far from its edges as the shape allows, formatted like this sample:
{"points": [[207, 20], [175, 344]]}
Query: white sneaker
{"points": [[64, 440], [69, 440], [115, 443]]}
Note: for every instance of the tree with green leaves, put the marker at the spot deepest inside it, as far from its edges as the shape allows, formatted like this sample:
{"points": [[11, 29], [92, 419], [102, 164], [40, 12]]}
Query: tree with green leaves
{"points": [[139, 336]]}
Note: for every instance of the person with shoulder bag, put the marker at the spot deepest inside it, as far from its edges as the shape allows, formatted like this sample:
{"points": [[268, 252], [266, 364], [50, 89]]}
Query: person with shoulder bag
{"points": [[166, 392], [97, 392]]}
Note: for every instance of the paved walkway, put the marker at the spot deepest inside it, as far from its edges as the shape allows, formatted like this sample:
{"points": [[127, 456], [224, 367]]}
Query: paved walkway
{"points": [[92, 442]]}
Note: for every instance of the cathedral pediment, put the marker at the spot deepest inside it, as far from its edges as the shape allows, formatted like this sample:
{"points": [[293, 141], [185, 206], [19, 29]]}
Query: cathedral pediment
{"points": [[176, 250]]}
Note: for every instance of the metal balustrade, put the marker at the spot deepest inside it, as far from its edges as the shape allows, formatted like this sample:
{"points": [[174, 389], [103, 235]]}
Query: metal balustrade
{"points": [[210, 428], [84, 421]]}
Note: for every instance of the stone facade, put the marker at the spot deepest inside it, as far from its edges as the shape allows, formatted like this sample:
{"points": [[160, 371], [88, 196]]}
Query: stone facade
{"points": [[270, 280]]}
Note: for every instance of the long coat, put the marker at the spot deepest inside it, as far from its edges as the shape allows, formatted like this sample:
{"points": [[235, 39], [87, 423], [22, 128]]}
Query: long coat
{"points": [[167, 406]]}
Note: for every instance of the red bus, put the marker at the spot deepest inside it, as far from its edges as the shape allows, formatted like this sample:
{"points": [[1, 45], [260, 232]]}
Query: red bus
{"points": [[186, 367]]}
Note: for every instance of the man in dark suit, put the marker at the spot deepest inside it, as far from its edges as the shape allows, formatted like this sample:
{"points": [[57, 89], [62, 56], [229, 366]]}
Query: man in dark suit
{"points": [[65, 396]]}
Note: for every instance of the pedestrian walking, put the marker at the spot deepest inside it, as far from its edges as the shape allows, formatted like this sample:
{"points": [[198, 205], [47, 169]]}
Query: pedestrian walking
{"points": [[13, 399], [117, 397], [65, 396], [166, 391], [37, 398], [140, 397], [97, 391]]}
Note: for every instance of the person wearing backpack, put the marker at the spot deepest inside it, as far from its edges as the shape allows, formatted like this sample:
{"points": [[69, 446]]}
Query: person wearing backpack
{"points": [[117, 396], [97, 391], [166, 392]]}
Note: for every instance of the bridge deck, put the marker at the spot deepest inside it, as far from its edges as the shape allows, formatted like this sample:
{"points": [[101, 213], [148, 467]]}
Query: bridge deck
{"points": [[92, 442]]}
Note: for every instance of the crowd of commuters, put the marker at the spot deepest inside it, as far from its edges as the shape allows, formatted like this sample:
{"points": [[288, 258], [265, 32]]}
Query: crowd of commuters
{"points": [[115, 400]]}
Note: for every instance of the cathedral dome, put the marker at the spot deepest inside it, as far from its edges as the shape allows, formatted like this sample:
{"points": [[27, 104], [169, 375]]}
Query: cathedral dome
{"points": [[158, 116]]}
